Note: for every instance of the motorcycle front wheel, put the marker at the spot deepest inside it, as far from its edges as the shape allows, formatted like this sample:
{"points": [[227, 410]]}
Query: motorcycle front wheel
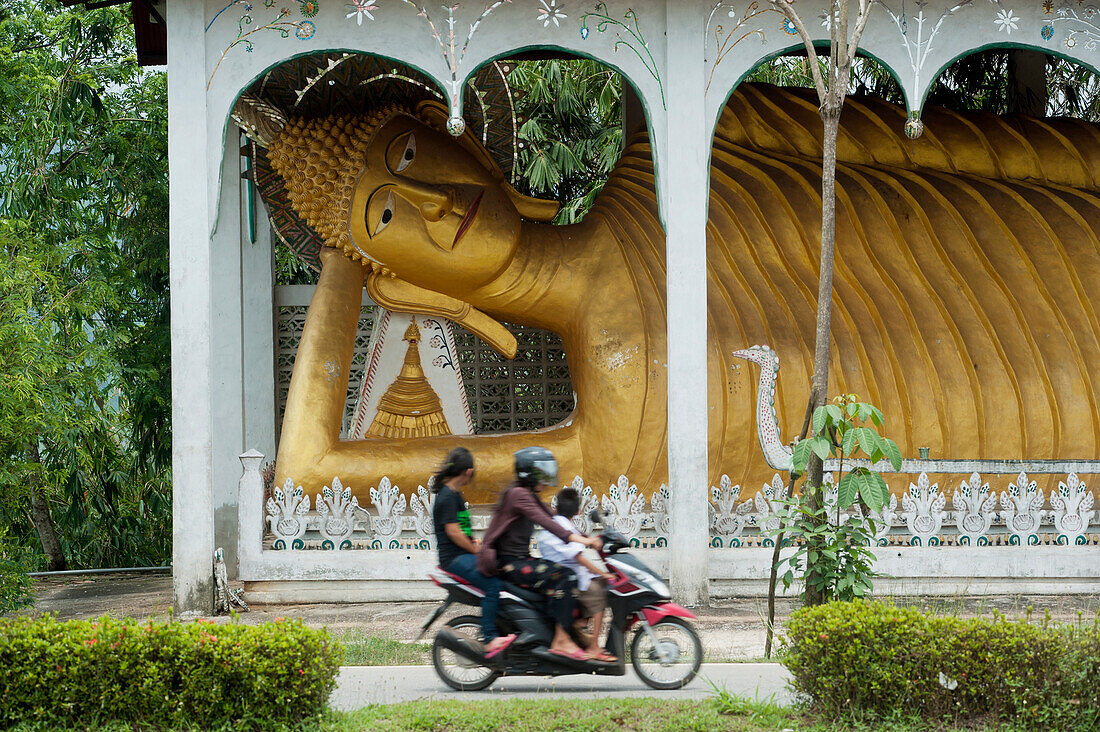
{"points": [[682, 654], [457, 672]]}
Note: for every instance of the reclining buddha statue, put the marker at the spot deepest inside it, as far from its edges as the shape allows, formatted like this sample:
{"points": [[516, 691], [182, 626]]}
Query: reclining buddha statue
{"points": [[965, 302]]}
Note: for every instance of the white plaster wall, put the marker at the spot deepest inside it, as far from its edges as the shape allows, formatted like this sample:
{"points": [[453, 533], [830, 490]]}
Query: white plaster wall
{"points": [[190, 281], [398, 576], [674, 53]]}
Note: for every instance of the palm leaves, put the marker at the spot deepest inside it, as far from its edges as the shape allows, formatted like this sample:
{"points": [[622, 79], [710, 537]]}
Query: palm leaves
{"points": [[570, 130]]}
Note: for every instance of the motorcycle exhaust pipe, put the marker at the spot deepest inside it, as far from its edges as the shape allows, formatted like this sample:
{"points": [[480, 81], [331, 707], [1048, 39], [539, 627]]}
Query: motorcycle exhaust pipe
{"points": [[463, 646]]}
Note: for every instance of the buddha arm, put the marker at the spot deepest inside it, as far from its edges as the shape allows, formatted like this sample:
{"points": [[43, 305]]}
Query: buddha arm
{"points": [[310, 449], [318, 386]]}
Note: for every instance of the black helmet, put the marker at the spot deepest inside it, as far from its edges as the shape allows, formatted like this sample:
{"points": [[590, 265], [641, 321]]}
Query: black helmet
{"points": [[536, 465]]}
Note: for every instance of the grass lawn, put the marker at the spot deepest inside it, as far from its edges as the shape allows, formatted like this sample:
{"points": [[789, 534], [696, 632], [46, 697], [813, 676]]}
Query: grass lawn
{"points": [[724, 713], [375, 650]]}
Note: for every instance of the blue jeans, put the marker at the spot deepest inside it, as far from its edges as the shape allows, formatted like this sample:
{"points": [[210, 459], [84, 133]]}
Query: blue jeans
{"points": [[465, 566]]}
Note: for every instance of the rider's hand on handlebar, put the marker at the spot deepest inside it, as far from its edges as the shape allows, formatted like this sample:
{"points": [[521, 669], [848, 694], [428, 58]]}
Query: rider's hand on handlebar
{"points": [[594, 542]]}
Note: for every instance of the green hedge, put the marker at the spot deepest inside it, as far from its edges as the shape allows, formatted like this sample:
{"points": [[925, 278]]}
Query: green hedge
{"points": [[871, 658], [193, 675]]}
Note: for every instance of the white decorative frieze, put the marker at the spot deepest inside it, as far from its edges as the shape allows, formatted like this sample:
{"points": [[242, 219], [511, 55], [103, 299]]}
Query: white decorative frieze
{"points": [[661, 520], [729, 518], [286, 514], [421, 503], [1072, 504], [923, 506], [769, 505], [974, 506], [398, 520], [338, 511], [624, 508], [390, 504], [1022, 504]]}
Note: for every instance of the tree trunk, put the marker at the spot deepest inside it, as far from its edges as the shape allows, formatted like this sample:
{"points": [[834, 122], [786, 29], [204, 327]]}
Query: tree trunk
{"points": [[830, 116], [43, 523], [1027, 82]]}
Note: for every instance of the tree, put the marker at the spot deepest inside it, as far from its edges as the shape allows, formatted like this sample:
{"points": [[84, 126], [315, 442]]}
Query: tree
{"points": [[571, 131], [831, 79], [83, 200]]}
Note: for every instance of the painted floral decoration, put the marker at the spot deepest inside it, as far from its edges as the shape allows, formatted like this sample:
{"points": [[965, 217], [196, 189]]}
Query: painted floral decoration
{"points": [[1047, 32], [359, 8], [1048, 6], [551, 12], [788, 27], [309, 8], [305, 30], [1006, 21]]}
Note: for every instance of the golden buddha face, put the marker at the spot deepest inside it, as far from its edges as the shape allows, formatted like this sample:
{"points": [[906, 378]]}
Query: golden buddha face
{"points": [[428, 210]]}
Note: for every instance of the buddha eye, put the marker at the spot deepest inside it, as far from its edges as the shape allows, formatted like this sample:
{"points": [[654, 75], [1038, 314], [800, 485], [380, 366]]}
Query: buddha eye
{"points": [[387, 214], [408, 155]]}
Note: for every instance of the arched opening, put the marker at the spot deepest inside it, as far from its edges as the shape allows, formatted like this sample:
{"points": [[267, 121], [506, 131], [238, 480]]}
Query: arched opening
{"points": [[955, 253], [552, 123], [1018, 81]]}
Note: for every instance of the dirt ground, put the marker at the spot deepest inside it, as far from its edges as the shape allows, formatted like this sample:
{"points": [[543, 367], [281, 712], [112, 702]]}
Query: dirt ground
{"points": [[732, 629]]}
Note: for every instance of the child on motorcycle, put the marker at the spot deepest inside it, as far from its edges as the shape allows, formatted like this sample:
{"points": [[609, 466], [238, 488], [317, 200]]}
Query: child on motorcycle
{"points": [[457, 547], [508, 539], [591, 580]]}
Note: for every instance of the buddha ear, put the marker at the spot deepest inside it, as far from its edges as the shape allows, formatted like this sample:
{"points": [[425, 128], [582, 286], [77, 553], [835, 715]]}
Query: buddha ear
{"points": [[531, 208]]}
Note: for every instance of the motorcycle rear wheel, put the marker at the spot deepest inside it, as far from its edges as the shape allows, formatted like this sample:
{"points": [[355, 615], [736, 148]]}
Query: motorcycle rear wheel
{"points": [[684, 654], [457, 672]]}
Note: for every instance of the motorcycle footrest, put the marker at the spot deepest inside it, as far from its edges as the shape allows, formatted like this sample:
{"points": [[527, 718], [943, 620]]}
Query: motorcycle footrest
{"points": [[544, 654]]}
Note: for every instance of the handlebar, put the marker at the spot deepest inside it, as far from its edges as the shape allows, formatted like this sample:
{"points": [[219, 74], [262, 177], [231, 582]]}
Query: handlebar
{"points": [[613, 541]]}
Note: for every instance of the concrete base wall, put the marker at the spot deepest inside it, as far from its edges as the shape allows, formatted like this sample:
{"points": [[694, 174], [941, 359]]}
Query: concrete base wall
{"points": [[400, 576]]}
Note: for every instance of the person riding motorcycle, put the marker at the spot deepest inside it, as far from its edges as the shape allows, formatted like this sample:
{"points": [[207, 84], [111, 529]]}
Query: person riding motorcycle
{"points": [[458, 549], [505, 547]]}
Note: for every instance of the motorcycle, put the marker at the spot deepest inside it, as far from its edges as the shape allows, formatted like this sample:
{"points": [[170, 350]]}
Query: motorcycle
{"points": [[665, 650]]}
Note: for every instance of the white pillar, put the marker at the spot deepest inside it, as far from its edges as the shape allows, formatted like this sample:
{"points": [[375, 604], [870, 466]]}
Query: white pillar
{"points": [[258, 290], [227, 357], [190, 281], [686, 185]]}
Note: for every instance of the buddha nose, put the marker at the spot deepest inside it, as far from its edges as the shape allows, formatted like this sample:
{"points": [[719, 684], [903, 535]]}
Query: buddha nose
{"points": [[434, 201]]}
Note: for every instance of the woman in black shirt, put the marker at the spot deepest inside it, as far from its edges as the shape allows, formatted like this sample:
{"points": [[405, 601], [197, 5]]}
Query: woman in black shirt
{"points": [[457, 546]]}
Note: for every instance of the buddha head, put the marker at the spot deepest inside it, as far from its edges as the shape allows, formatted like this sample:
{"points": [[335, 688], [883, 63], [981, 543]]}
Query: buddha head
{"points": [[393, 189]]}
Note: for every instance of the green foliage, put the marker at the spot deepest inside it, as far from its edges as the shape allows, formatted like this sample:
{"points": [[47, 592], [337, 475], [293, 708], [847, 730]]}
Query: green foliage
{"points": [[570, 131], [565, 715], [836, 557], [982, 81], [85, 398], [15, 585], [167, 674], [871, 658], [832, 553], [381, 650], [840, 430]]}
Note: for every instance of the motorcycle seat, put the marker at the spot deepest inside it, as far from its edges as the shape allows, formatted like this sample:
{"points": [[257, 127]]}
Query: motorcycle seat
{"points": [[530, 596]]}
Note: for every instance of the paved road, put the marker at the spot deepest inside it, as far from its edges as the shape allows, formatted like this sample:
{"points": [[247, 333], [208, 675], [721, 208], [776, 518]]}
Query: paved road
{"points": [[359, 686]]}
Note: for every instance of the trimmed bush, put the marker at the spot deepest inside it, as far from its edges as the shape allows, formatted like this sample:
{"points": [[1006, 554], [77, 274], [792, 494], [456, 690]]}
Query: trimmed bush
{"points": [[872, 658], [192, 675]]}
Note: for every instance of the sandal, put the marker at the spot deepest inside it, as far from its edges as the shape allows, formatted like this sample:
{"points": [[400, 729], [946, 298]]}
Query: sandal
{"points": [[577, 655], [603, 657], [498, 644]]}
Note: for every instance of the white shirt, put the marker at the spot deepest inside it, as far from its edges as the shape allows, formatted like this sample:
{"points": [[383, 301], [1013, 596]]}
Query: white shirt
{"points": [[563, 553]]}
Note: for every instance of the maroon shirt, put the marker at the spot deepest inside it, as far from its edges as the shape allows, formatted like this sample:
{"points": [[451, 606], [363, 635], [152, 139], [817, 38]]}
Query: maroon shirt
{"points": [[511, 526]]}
